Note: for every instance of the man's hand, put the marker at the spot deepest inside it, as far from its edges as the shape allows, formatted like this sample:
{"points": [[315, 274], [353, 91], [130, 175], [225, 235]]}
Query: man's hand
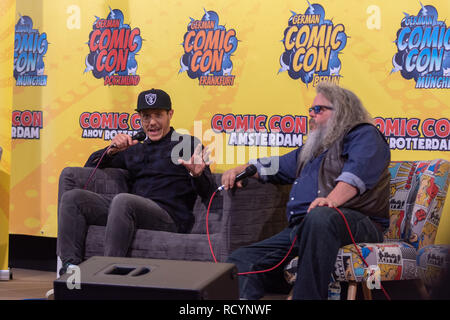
{"points": [[198, 161], [322, 202], [121, 142], [229, 177], [341, 193]]}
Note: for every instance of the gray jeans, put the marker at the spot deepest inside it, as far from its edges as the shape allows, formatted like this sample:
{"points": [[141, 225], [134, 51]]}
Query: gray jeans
{"points": [[122, 216]]}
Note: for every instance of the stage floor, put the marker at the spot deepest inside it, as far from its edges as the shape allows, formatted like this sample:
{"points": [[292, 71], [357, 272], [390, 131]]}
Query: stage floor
{"points": [[34, 284], [27, 284]]}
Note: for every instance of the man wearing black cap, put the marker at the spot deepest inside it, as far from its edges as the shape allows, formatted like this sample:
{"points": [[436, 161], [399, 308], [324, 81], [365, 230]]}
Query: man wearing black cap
{"points": [[155, 109], [165, 184]]}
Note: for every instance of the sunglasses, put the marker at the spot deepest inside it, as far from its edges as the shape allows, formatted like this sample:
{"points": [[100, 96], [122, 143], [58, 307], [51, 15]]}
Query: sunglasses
{"points": [[318, 109]]}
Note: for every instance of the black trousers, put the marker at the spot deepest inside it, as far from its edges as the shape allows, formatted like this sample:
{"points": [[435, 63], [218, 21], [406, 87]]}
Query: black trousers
{"points": [[122, 216]]}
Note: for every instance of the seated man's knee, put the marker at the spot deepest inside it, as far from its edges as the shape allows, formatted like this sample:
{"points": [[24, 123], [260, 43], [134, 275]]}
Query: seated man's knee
{"points": [[121, 204], [73, 196], [121, 200], [237, 256], [320, 217]]}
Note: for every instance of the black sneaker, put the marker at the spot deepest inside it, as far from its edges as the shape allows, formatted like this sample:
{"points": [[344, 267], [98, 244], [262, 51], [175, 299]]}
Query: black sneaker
{"points": [[64, 268]]}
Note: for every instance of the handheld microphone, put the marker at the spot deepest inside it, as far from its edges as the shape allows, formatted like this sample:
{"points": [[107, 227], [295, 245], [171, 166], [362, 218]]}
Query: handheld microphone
{"points": [[140, 136], [248, 172]]}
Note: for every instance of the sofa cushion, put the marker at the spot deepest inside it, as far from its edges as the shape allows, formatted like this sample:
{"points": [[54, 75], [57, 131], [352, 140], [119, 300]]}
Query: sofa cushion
{"points": [[159, 245]]}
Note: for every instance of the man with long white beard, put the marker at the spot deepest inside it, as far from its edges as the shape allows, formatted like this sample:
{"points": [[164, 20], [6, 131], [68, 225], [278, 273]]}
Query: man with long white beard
{"points": [[343, 164]]}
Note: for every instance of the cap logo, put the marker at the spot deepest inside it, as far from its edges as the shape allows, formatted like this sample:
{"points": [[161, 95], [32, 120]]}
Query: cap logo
{"points": [[150, 98]]}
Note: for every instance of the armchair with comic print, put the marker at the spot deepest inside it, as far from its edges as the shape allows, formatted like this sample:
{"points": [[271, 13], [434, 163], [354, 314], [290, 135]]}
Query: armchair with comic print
{"points": [[418, 191]]}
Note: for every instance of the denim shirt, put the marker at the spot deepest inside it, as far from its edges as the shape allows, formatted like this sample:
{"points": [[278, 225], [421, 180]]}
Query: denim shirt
{"points": [[366, 158]]}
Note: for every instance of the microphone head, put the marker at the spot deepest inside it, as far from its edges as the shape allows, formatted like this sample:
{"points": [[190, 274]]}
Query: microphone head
{"points": [[248, 172], [140, 136]]}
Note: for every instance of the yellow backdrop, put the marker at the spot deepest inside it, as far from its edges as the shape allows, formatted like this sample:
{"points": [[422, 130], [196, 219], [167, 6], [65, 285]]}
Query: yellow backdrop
{"points": [[7, 12], [79, 76]]}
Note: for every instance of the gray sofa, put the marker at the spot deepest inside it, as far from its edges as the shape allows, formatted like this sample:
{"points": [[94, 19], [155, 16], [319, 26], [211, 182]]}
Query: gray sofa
{"points": [[236, 218]]}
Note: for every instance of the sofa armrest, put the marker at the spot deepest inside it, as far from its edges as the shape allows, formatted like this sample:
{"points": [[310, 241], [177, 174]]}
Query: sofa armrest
{"points": [[109, 181]]}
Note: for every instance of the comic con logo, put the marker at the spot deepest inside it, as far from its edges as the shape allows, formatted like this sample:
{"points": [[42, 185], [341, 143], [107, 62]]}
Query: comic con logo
{"points": [[260, 130], [423, 44], [26, 124], [208, 48], [312, 45], [416, 134], [113, 46], [30, 47], [106, 125]]}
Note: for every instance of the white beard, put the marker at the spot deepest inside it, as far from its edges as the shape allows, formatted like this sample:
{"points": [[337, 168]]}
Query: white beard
{"points": [[313, 145]]}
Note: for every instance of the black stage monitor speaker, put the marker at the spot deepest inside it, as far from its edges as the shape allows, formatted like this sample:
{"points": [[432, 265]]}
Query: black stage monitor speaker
{"points": [[135, 278]]}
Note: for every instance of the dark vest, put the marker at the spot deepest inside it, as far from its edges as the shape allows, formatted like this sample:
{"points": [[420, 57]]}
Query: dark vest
{"points": [[373, 202]]}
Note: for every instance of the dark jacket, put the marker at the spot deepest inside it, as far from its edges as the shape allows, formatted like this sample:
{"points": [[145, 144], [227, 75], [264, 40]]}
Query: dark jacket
{"points": [[155, 174]]}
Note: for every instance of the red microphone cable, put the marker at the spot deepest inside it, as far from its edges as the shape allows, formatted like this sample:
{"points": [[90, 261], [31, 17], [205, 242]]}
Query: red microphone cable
{"points": [[95, 169], [290, 249], [359, 252], [248, 272], [207, 227], [140, 136]]}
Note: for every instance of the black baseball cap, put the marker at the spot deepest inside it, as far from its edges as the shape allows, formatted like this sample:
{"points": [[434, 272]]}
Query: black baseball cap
{"points": [[153, 99]]}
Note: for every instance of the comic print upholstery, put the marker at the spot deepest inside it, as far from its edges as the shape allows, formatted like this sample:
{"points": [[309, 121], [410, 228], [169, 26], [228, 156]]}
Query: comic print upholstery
{"points": [[418, 191], [404, 186], [426, 214]]}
